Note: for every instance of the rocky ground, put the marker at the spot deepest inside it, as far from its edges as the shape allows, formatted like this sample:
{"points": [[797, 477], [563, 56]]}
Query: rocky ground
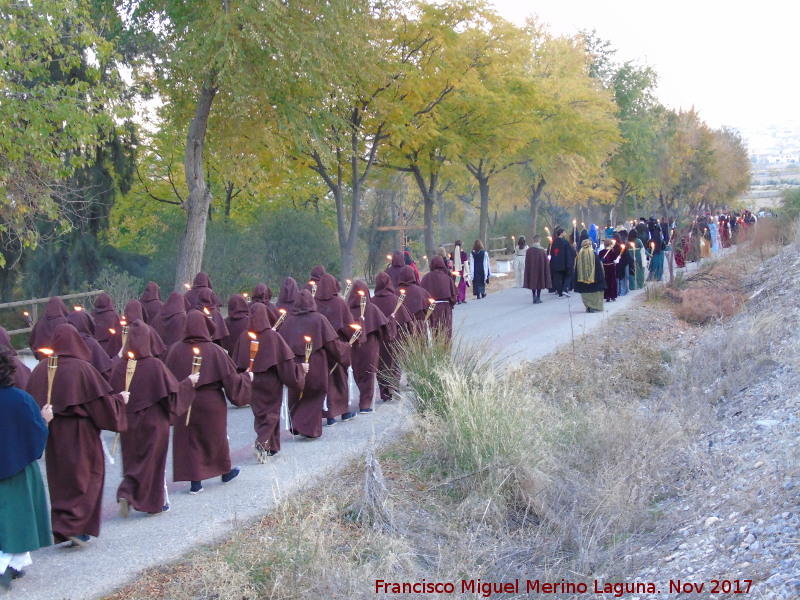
{"points": [[738, 518]]}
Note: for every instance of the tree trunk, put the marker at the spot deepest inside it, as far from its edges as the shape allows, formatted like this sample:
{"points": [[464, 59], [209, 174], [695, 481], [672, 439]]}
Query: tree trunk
{"points": [[193, 241], [483, 182], [535, 202], [428, 197]]}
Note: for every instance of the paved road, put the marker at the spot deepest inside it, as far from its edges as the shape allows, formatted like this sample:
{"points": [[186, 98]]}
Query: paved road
{"points": [[508, 319]]}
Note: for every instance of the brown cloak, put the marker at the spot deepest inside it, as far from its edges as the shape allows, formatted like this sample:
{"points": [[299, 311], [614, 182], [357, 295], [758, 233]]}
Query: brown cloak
{"points": [[200, 450], [287, 294], [235, 322], [306, 410], [106, 319], [151, 301], [83, 404], [441, 287], [134, 312], [41, 335], [155, 396], [263, 295], [394, 269], [537, 270], [366, 350], [169, 322], [205, 300], [201, 282], [274, 366], [386, 300], [83, 322]]}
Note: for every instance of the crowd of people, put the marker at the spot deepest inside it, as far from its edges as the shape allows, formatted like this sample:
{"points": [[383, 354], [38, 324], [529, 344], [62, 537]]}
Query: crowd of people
{"points": [[161, 367]]}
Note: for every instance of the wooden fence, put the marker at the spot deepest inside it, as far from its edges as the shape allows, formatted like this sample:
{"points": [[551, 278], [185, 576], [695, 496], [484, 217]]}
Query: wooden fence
{"points": [[33, 305]]}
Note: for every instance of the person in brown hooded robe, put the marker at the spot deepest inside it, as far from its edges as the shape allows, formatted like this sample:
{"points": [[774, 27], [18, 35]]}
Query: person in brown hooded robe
{"points": [[201, 282], [273, 367], [441, 287], [22, 372], [316, 276], [287, 295], [235, 322], [536, 276], [155, 396], [334, 308], [200, 449], [386, 300], [83, 405], [366, 349], [151, 301], [305, 408], [83, 322], [394, 269], [416, 302], [169, 321], [263, 295], [134, 312], [205, 304], [42, 333], [105, 319]]}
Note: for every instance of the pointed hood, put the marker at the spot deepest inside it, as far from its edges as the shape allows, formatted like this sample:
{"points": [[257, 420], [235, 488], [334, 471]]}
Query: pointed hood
{"points": [[304, 303], [398, 259], [175, 305], [327, 287], [198, 327], [354, 300], [262, 293], [103, 303], [288, 293], [317, 273], [67, 342], [384, 285], [437, 264], [56, 308], [202, 280], [151, 292], [83, 322], [407, 277], [259, 318], [133, 311], [138, 341], [237, 307]]}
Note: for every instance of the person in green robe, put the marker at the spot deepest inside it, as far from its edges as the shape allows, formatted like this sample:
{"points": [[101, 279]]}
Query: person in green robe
{"points": [[24, 516], [637, 268], [590, 279]]}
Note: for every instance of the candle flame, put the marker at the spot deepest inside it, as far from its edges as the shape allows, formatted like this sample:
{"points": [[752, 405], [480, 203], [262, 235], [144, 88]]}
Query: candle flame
{"points": [[633, 244], [282, 311], [348, 281], [312, 282], [205, 310], [112, 331], [431, 300], [46, 351], [196, 351], [123, 322], [187, 286], [456, 273], [307, 338], [389, 256], [130, 355], [77, 308], [402, 292], [360, 293], [424, 257], [252, 335], [355, 326]]}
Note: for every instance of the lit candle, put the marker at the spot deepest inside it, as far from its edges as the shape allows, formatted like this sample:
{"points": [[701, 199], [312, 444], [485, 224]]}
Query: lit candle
{"points": [[431, 308], [400, 300], [253, 349], [356, 333], [309, 347], [112, 331], [28, 319], [206, 312], [187, 286], [247, 297], [197, 362], [52, 365], [124, 324], [363, 303], [313, 285], [280, 319], [348, 287], [130, 369], [77, 308]]}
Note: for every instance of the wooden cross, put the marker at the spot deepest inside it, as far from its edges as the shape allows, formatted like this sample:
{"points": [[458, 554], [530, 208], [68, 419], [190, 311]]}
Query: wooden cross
{"points": [[402, 228]]}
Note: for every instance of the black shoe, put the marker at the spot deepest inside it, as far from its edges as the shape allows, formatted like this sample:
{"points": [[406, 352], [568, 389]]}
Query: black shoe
{"points": [[330, 422], [164, 509], [16, 574], [232, 474], [365, 411], [196, 487], [79, 541], [5, 579], [348, 416]]}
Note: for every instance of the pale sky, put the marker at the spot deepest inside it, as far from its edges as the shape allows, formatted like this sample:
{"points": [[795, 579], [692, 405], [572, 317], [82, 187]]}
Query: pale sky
{"points": [[735, 61]]}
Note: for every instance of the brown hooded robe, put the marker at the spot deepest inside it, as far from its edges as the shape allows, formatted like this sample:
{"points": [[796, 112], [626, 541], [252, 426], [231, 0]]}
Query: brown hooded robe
{"points": [[169, 321], [41, 335], [537, 270], [263, 295], [386, 299], [106, 319], [155, 397], [441, 287], [83, 322], [274, 366], [367, 347], [200, 450], [83, 404], [235, 322], [151, 301]]}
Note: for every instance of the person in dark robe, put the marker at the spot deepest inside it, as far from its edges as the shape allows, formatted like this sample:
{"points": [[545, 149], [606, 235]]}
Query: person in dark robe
{"points": [[83, 405], [621, 239], [316, 276], [305, 408], [24, 518], [205, 305], [416, 302], [41, 335], [642, 231], [609, 256], [134, 312], [201, 282], [638, 267], [21, 371], [334, 308], [200, 448], [386, 300], [263, 295], [656, 268], [537, 270], [367, 348], [287, 294], [151, 301], [479, 271], [107, 329], [411, 263], [560, 263], [590, 277], [235, 322], [83, 322], [155, 397], [273, 367], [440, 286], [169, 321], [394, 268]]}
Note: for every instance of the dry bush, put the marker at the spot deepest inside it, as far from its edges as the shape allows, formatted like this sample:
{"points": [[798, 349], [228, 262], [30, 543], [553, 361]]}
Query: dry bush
{"points": [[702, 305]]}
